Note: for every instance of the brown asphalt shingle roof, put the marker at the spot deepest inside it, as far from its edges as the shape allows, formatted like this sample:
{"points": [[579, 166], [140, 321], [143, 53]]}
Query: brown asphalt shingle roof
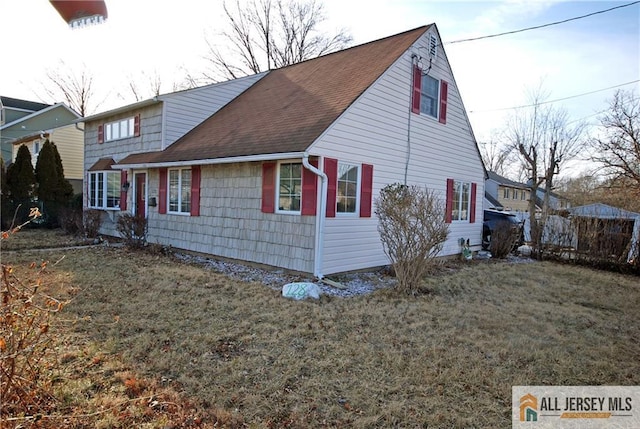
{"points": [[288, 109]]}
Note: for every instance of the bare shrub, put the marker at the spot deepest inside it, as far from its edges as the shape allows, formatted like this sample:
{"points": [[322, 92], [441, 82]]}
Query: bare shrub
{"points": [[71, 221], [412, 229], [503, 239], [133, 229], [25, 339], [92, 223]]}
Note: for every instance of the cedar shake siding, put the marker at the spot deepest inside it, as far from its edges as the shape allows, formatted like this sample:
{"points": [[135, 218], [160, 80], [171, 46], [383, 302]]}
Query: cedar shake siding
{"points": [[231, 222]]}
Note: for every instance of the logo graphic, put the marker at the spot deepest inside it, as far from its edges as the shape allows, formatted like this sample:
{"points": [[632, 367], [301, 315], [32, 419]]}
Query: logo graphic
{"points": [[528, 408]]}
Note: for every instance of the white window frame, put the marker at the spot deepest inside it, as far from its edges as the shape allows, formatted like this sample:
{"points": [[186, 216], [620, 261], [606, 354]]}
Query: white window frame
{"points": [[291, 195], [425, 97], [357, 188], [459, 212], [120, 129], [181, 199], [99, 187]]}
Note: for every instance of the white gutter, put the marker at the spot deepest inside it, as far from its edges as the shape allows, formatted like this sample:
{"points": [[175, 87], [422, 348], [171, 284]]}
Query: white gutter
{"points": [[212, 161], [320, 216]]}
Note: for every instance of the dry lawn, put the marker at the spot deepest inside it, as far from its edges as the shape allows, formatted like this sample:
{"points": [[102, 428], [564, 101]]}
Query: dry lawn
{"points": [[142, 328]]}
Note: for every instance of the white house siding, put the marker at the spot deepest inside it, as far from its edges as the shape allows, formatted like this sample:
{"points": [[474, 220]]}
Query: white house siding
{"points": [[231, 223], [374, 131], [186, 109]]}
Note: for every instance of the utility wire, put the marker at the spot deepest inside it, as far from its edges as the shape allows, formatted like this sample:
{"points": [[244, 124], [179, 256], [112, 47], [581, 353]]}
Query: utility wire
{"points": [[541, 26], [556, 100]]}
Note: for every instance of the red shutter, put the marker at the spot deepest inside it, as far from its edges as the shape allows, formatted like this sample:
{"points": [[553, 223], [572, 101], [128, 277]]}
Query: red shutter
{"points": [[195, 190], [444, 93], [448, 216], [136, 125], [472, 206], [331, 170], [123, 193], [100, 133], [366, 190], [309, 190], [417, 86], [162, 192], [268, 187]]}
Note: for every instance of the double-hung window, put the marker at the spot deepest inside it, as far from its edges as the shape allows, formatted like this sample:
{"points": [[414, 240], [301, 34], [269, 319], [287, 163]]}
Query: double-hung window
{"points": [[104, 190], [289, 187], [429, 96], [461, 197], [180, 190], [347, 187]]}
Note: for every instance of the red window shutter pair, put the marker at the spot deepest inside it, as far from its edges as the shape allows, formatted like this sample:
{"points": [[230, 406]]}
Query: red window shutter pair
{"points": [[416, 94], [196, 177], [123, 192], [366, 187], [309, 189], [449, 202]]}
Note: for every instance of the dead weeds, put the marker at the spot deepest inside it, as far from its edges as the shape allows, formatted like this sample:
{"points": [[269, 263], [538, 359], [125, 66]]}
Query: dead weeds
{"points": [[146, 329]]}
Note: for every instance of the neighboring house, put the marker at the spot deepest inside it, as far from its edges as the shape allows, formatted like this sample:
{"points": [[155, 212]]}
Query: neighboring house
{"points": [[286, 174], [31, 123], [69, 140], [505, 194], [12, 109], [556, 202]]}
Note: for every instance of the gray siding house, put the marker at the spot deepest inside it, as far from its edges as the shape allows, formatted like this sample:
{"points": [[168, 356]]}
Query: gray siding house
{"points": [[287, 172]]}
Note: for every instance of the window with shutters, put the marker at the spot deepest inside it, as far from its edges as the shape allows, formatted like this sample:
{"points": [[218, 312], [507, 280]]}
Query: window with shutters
{"points": [[180, 190], [104, 190], [347, 188], [289, 187], [461, 200], [430, 95]]}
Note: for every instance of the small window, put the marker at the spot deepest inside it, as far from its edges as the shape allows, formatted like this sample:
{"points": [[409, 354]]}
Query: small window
{"points": [[505, 193], [36, 148], [180, 190], [289, 187], [347, 197], [429, 96], [461, 200], [515, 194], [523, 196]]}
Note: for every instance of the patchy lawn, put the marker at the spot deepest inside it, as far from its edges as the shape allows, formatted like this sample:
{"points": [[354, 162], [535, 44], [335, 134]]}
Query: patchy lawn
{"points": [[142, 328]]}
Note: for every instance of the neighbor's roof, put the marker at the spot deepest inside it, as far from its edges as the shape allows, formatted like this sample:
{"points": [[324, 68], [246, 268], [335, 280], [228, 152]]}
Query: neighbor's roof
{"points": [[289, 108], [603, 211], [504, 181], [16, 103]]}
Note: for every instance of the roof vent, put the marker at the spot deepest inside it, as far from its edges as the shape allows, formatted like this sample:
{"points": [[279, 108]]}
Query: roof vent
{"points": [[433, 47]]}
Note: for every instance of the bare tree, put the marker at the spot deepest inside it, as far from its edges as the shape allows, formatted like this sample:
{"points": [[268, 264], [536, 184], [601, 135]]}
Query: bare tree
{"points": [[545, 142], [618, 149], [266, 34], [495, 156], [146, 86], [75, 87]]}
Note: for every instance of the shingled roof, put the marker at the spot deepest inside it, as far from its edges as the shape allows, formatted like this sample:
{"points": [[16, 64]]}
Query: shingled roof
{"points": [[288, 109]]}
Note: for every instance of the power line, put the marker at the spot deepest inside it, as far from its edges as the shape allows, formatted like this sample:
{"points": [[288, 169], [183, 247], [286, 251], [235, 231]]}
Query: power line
{"points": [[541, 26], [556, 100]]}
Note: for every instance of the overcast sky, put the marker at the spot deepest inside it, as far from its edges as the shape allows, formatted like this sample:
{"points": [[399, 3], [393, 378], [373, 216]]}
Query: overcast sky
{"points": [[164, 37]]}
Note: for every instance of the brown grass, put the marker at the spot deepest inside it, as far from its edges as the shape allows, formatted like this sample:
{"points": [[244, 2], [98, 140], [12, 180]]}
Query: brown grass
{"points": [[141, 325]]}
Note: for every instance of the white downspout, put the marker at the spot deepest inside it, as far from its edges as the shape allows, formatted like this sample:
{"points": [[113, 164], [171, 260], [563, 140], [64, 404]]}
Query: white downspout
{"points": [[320, 215]]}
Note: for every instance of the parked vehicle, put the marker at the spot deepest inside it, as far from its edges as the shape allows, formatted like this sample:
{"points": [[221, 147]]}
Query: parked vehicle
{"points": [[492, 219]]}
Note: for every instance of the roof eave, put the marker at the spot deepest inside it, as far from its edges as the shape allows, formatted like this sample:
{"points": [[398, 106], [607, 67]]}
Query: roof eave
{"points": [[212, 161]]}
